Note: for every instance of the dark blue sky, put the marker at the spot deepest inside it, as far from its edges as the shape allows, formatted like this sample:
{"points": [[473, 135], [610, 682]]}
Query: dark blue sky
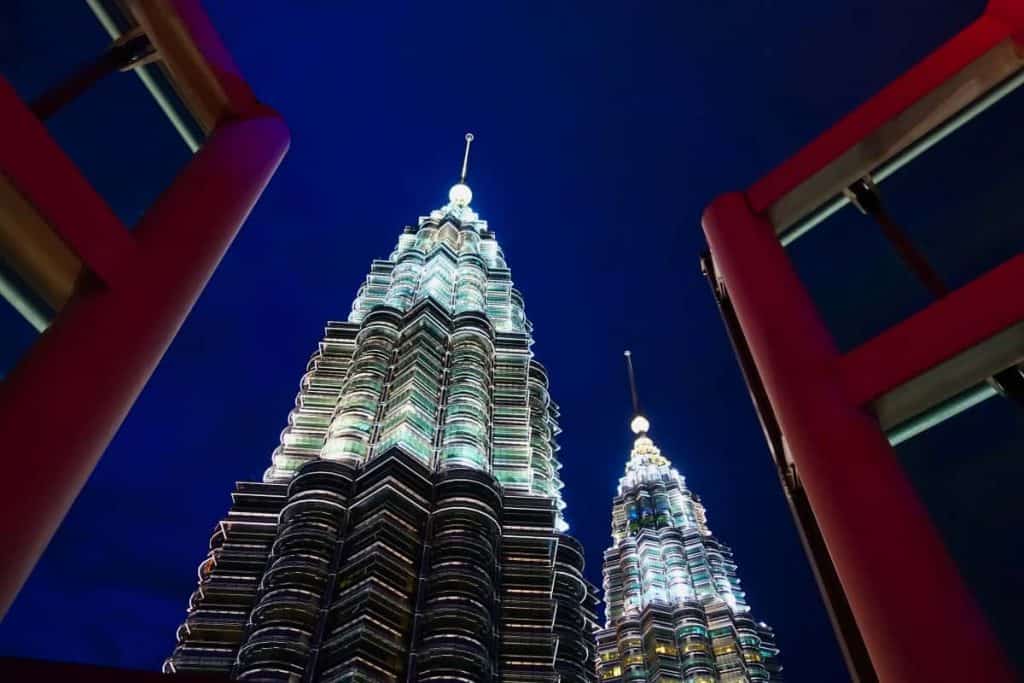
{"points": [[602, 132]]}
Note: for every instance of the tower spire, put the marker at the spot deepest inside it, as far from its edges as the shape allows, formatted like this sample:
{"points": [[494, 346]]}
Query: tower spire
{"points": [[460, 195], [465, 158], [639, 423], [632, 382]]}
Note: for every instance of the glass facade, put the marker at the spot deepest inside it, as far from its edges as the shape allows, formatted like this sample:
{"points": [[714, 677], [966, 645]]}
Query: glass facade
{"points": [[410, 524], [674, 609]]}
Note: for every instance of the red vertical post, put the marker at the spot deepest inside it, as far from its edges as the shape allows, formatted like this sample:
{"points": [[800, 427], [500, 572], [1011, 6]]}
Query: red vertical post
{"points": [[900, 580], [63, 402]]}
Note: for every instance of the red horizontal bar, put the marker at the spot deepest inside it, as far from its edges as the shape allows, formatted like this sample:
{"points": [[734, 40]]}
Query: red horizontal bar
{"points": [[950, 326], [932, 72], [51, 182]]}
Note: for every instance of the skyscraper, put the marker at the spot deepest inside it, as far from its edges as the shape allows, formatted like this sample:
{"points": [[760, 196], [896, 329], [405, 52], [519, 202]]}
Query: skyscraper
{"points": [[674, 610], [410, 524]]}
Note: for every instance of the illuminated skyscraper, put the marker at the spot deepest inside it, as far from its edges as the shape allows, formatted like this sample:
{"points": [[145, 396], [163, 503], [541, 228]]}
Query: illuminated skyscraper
{"points": [[410, 525], [674, 610]]}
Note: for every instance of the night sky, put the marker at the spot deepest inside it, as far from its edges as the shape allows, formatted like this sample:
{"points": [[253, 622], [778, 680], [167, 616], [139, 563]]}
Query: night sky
{"points": [[602, 132]]}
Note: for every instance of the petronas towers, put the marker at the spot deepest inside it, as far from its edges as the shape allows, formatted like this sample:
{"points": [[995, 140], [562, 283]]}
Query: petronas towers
{"points": [[410, 526], [674, 610]]}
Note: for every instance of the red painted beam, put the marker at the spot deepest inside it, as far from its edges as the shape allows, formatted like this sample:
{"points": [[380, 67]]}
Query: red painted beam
{"points": [[890, 560], [948, 327], [1002, 20], [49, 180], [1010, 12], [63, 402]]}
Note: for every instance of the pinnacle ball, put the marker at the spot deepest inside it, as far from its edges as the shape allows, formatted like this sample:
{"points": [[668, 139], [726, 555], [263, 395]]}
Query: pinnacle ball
{"points": [[460, 194]]}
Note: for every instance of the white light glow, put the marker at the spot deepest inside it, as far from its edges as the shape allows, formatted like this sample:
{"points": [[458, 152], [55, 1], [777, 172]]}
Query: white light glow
{"points": [[460, 194], [640, 425]]}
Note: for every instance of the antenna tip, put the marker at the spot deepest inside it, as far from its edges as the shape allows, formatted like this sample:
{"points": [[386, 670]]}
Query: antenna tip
{"points": [[469, 137], [627, 353]]}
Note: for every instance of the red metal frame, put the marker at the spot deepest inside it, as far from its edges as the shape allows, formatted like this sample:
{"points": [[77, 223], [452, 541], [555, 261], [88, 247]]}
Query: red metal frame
{"points": [[36, 165], [63, 402], [939, 67], [893, 566], [978, 311]]}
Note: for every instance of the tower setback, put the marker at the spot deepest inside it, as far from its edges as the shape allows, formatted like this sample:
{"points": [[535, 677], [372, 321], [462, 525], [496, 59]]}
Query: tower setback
{"points": [[674, 610], [410, 525]]}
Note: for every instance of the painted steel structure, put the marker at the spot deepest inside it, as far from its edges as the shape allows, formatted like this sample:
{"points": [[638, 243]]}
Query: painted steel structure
{"points": [[410, 524], [863, 523], [120, 295], [674, 608]]}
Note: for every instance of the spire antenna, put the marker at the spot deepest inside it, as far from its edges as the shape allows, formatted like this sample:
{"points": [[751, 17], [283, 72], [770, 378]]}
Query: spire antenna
{"points": [[632, 382], [639, 424], [465, 158]]}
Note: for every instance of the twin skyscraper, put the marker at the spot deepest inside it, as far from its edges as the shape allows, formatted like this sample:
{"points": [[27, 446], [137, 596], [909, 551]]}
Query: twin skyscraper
{"points": [[411, 525]]}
